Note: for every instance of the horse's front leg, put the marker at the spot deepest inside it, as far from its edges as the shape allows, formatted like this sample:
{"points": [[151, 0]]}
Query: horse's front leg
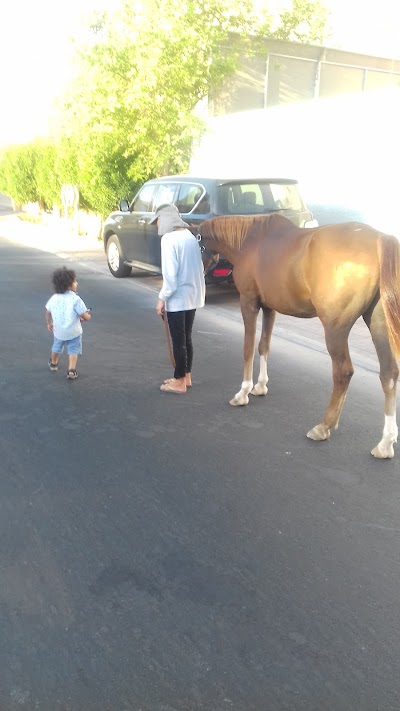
{"points": [[268, 321], [342, 371], [250, 309]]}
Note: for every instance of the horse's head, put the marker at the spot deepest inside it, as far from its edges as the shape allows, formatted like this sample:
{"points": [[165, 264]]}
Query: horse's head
{"points": [[209, 256]]}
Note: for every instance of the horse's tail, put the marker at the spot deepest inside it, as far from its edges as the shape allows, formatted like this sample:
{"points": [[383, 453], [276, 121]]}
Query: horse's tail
{"points": [[389, 263]]}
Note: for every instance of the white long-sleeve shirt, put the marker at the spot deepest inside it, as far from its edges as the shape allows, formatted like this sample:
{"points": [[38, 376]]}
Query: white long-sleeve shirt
{"points": [[183, 286]]}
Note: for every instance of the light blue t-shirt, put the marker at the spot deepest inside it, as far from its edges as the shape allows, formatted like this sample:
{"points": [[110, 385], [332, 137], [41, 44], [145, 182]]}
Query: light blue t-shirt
{"points": [[65, 311]]}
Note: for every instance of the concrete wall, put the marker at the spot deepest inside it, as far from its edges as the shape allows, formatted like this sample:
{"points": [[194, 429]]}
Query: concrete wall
{"points": [[283, 72]]}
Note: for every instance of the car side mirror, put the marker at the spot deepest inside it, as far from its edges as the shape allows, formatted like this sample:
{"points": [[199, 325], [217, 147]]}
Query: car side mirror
{"points": [[123, 205]]}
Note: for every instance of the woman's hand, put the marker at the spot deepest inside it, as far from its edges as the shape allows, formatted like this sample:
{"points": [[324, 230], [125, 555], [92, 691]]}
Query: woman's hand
{"points": [[160, 308]]}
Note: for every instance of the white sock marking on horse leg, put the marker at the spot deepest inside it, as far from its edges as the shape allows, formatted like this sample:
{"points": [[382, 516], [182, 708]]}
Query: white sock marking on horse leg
{"points": [[261, 387], [385, 450], [242, 397]]}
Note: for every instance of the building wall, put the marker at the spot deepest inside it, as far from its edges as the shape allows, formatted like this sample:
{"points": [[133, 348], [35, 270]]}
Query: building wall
{"points": [[290, 72]]}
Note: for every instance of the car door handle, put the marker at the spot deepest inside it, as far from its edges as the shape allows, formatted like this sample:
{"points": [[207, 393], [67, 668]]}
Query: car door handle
{"points": [[142, 222]]}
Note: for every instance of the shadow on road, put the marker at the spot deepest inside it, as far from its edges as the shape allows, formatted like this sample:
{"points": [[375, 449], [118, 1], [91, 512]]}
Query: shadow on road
{"points": [[226, 293]]}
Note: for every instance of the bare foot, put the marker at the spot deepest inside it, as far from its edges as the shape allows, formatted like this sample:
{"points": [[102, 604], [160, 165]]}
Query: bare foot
{"points": [[174, 386], [188, 381]]}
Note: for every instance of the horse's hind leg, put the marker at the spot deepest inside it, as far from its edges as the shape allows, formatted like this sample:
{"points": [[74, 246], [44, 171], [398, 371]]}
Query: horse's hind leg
{"points": [[268, 321], [250, 309], [336, 338], [389, 373]]}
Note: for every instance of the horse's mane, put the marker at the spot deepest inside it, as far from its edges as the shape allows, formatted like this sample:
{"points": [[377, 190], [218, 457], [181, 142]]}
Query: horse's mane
{"points": [[233, 230]]}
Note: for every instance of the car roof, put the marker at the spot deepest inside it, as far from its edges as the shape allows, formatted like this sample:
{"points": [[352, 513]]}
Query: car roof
{"points": [[184, 178]]}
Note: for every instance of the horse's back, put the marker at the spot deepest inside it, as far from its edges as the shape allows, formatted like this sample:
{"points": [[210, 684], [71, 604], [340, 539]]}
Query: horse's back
{"points": [[331, 269], [343, 268], [351, 243]]}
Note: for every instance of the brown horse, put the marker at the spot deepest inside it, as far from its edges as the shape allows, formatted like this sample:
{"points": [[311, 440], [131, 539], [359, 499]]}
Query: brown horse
{"points": [[336, 272]]}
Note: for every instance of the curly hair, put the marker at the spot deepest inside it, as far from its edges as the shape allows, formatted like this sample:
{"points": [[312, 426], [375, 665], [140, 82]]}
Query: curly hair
{"points": [[63, 279]]}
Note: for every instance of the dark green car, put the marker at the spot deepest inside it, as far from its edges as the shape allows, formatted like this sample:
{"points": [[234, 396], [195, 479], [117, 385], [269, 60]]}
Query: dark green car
{"points": [[130, 241]]}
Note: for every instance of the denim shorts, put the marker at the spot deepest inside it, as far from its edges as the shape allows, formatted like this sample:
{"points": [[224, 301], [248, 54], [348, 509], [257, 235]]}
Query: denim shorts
{"points": [[73, 346]]}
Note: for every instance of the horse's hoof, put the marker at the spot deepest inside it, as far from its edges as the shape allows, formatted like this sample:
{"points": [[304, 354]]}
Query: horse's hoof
{"points": [[319, 433], [238, 402], [259, 389], [383, 452]]}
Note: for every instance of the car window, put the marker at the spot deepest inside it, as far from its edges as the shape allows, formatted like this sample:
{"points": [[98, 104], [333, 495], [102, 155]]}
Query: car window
{"points": [[240, 199], [144, 200], [188, 197], [251, 199], [257, 198], [287, 196], [165, 194], [203, 206]]}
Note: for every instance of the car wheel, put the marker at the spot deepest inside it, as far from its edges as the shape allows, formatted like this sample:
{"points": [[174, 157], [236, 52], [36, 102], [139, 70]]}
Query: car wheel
{"points": [[114, 259]]}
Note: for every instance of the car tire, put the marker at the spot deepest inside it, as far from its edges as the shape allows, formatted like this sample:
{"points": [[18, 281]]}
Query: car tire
{"points": [[115, 260]]}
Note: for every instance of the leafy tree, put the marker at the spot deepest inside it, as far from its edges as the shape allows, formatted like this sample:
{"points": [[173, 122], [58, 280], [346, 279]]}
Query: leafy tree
{"points": [[306, 21], [17, 173], [144, 69], [132, 104], [28, 174], [48, 183], [130, 112]]}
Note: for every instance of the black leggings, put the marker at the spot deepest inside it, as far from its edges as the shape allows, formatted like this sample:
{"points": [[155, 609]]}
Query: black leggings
{"points": [[180, 327]]}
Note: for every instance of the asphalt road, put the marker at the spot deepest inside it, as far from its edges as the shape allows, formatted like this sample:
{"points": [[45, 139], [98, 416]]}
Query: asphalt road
{"points": [[171, 553]]}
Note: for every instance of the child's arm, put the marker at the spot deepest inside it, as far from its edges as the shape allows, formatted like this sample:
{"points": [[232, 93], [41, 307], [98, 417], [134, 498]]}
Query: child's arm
{"points": [[49, 321], [86, 316]]}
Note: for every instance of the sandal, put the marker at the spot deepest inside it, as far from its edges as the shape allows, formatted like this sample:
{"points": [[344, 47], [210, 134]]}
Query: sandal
{"points": [[72, 374], [53, 366]]}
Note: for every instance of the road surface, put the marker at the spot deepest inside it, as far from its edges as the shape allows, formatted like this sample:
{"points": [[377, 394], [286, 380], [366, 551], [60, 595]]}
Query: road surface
{"points": [[171, 553]]}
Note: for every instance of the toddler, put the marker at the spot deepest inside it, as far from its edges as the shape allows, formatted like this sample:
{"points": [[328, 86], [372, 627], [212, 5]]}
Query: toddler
{"points": [[64, 312]]}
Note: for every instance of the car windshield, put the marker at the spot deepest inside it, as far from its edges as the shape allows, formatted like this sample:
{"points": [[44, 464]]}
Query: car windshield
{"points": [[257, 198]]}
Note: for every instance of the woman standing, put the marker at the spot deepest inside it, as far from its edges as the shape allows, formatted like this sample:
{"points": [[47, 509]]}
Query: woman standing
{"points": [[183, 291]]}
